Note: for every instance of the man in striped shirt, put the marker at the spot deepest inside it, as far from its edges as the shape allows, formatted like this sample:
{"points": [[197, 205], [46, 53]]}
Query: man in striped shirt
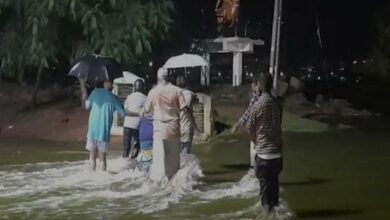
{"points": [[263, 121]]}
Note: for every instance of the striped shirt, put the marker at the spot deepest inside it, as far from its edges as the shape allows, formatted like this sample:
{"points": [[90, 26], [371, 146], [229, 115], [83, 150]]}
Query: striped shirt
{"points": [[263, 120], [245, 117]]}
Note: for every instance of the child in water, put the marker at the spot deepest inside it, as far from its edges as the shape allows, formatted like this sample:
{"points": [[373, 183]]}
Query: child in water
{"points": [[146, 143]]}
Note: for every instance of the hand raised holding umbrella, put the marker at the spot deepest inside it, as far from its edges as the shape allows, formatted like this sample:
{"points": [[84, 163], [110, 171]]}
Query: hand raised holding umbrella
{"points": [[94, 69], [98, 71]]}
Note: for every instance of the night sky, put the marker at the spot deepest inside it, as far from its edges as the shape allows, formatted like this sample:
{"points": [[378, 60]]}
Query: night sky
{"points": [[347, 26]]}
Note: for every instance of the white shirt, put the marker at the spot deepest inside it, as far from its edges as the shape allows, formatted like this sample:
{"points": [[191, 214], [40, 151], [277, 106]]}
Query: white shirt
{"points": [[269, 156], [134, 103], [186, 122]]}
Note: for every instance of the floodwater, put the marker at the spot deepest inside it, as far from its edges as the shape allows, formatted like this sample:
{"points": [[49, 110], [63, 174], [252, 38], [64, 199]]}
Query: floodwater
{"points": [[328, 174], [68, 190]]}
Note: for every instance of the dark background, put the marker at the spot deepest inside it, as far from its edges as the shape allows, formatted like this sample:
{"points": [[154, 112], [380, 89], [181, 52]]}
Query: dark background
{"points": [[347, 27]]}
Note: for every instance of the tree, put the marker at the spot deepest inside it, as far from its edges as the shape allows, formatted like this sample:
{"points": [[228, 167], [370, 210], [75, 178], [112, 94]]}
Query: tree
{"points": [[36, 32], [380, 58]]}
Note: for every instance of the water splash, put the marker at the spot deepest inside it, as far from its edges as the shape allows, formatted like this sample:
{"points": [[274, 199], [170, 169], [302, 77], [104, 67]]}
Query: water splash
{"points": [[66, 188], [245, 188], [281, 212], [63, 189]]}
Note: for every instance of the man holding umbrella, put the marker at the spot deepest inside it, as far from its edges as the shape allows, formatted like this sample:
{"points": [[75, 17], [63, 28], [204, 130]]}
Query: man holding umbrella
{"points": [[102, 103]]}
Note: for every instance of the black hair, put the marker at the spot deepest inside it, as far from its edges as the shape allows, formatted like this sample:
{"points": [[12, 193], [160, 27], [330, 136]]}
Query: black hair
{"points": [[99, 85], [181, 82], [139, 86], [265, 81]]}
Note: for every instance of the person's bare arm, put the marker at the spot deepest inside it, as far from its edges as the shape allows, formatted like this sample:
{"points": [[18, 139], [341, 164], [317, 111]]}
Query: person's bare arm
{"points": [[191, 109], [192, 118], [87, 103], [148, 105], [84, 94], [235, 127], [197, 129], [242, 121]]}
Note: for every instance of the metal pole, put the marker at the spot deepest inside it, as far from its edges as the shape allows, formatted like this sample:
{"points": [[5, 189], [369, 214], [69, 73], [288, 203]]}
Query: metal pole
{"points": [[273, 41], [318, 32], [245, 28], [276, 69]]}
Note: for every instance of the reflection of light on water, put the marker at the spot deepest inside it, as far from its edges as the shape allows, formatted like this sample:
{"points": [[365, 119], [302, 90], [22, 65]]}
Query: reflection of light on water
{"points": [[63, 189]]}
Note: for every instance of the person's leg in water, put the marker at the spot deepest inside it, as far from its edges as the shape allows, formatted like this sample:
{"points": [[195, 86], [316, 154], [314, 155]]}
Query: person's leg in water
{"points": [[262, 171], [92, 158], [276, 168], [103, 160], [171, 154], [126, 142], [103, 149], [267, 171], [146, 157], [135, 137]]}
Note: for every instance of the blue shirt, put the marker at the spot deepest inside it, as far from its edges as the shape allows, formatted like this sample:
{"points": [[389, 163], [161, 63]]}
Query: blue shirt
{"points": [[146, 133], [102, 104]]}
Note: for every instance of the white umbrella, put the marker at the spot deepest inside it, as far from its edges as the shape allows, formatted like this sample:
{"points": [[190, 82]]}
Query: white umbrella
{"points": [[128, 77], [185, 60]]}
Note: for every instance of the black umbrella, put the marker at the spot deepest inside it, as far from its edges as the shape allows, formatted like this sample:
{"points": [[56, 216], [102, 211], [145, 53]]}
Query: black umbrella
{"points": [[93, 69]]}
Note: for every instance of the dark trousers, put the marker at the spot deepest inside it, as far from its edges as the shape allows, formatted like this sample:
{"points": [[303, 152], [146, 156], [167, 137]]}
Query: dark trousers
{"points": [[129, 135], [267, 171]]}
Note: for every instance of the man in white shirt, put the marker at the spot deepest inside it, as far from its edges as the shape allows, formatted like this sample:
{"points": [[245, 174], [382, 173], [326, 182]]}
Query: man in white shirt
{"points": [[165, 101], [134, 103]]}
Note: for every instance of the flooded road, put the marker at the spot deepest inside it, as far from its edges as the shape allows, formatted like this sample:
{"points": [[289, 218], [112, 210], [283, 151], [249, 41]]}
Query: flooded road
{"points": [[328, 174], [61, 190]]}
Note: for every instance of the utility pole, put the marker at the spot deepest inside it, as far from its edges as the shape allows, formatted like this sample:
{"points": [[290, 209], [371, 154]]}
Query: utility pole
{"points": [[276, 69], [275, 43]]}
